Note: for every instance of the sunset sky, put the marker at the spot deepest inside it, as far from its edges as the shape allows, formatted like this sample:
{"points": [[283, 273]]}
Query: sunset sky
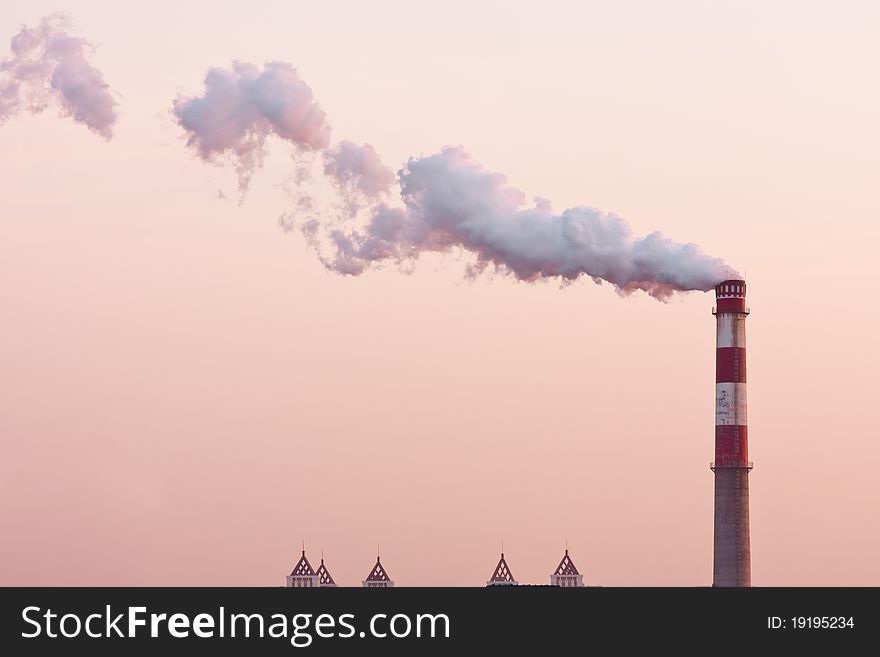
{"points": [[187, 394]]}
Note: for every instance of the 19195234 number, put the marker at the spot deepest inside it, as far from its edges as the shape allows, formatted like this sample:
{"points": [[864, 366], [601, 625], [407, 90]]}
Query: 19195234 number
{"points": [[810, 623]]}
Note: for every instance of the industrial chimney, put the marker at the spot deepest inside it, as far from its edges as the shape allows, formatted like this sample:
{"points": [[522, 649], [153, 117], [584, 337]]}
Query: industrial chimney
{"points": [[732, 565]]}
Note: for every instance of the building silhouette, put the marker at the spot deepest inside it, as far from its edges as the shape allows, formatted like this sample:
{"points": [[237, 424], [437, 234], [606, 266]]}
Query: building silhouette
{"points": [[324, 576], [378, 578], [566, 573], [502, 575], [304, 576]]}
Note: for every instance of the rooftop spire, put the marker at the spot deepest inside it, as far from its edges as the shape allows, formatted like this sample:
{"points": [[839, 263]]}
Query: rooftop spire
{"points": [[324, 576], [502, 575], [302, 573], [378, 577], [303, 568], [566, 573], [378, 574]]}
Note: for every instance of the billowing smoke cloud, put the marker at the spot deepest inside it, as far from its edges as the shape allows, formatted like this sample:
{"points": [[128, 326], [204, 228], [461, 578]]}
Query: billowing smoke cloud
{"points": [[242, 106], [48, 65], [450, 201]]}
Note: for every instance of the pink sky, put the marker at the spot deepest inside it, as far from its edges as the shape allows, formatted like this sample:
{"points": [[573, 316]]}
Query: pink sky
{"points": [[187, 394]]}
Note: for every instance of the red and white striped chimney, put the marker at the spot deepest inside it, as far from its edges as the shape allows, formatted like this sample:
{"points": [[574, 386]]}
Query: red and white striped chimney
{"points": [[732, 565]]}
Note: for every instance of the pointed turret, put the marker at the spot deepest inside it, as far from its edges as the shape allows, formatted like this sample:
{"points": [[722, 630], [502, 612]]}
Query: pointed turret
{"points": [[378, 577], [502, 575], [302, 575], [324, 576], [566, 573]]}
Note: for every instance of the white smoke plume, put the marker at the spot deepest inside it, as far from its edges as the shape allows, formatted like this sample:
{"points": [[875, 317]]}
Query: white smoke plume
{"points": [[48, 65], [450, 201], [242, 106]]}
